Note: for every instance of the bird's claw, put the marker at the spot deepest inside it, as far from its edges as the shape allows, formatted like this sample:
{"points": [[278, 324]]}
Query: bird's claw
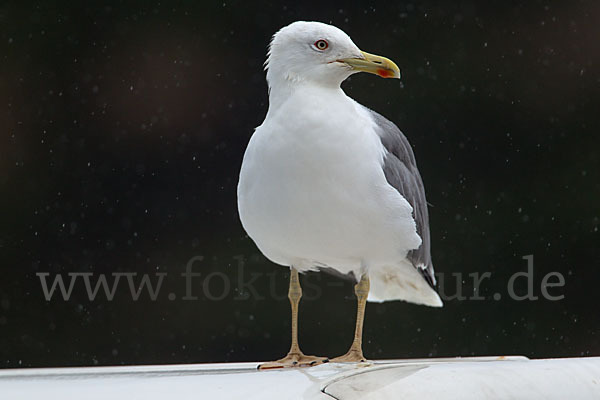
{"points": [[352, 356], [295, 360]]}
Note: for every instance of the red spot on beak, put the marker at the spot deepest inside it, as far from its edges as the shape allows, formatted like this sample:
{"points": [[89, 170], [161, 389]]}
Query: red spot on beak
{"points": [[384, 73]]}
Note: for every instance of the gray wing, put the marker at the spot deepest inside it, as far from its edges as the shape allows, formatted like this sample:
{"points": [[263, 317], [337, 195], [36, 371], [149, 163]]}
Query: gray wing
{"points": [[401, 172]]}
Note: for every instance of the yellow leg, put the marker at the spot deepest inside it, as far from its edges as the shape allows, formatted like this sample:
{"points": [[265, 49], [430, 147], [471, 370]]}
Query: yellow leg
{"points": [[295, 357], [355, 353]]}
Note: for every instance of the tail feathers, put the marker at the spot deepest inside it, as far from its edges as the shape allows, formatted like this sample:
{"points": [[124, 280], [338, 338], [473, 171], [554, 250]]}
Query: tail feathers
{"points": [[401, 282]]}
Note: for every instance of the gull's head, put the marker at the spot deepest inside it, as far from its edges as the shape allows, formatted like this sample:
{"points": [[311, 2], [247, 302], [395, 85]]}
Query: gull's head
{"points": [[320, 53]]}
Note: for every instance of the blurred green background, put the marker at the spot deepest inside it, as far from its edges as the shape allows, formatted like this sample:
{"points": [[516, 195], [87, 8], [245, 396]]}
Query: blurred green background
{"points": [[123, 126]]}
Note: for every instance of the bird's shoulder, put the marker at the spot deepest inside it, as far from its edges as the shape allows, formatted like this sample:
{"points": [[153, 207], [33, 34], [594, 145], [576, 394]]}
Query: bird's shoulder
{"points": [[392, 139]]}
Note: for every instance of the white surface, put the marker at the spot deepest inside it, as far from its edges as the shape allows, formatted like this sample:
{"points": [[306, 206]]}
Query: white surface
{"points": [[460, 378], [312, 190]]}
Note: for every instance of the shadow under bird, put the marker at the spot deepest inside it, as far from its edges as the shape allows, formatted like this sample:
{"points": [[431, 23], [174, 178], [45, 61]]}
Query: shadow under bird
{"points": [[326, 183]]}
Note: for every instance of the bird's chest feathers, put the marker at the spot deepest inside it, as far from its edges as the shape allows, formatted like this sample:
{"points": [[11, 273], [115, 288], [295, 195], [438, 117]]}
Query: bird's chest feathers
{"points": [[324, 139], [318, 165]]}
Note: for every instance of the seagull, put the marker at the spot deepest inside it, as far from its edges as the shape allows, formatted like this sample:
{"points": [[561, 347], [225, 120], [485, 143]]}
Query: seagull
{"points": [[328, 184]]}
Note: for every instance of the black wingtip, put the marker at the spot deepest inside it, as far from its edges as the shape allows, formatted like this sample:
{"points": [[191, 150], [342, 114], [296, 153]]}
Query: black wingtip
{"points": [[426, 274]]}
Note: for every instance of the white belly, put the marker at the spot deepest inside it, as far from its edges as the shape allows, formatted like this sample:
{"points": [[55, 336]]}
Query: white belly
{"points": [[312, 192]]}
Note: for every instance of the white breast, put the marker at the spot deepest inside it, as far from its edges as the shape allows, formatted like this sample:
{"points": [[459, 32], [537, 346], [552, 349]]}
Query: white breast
{"points": [[312, 190]]}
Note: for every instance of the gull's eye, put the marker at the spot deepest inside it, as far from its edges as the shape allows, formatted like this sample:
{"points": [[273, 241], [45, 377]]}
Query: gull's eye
{"points": [[321, 44]]}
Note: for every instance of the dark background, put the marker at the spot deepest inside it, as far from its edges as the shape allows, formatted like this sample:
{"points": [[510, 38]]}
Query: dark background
{"points": [[123, 127]]}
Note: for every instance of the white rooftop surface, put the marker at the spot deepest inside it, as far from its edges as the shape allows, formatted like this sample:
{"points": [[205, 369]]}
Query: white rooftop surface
{"points": [[457, 378]]}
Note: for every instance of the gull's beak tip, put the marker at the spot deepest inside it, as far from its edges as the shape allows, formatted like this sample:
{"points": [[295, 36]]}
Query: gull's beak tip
{"points": [[373, 64]]}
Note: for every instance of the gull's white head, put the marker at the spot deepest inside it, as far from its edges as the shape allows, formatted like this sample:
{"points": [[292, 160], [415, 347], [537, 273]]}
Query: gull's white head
{"points": [[320, 53]]}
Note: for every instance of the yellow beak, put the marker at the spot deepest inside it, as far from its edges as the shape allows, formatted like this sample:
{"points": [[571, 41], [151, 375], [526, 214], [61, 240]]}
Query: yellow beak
{"points": [[384, 67]]}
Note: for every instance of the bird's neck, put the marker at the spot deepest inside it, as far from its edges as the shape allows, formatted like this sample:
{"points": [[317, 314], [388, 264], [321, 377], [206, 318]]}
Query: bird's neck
{"points": [[282, 90]]}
